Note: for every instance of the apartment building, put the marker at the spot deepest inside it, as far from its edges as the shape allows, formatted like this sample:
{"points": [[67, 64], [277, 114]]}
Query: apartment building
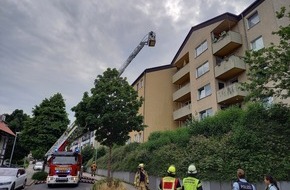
{"points": [[208, 68], [154, 86], [209, 64]]}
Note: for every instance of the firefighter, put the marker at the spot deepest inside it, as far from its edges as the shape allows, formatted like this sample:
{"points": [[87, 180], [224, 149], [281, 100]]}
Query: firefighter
{"points": [[93, 168], [170, 182], [141, 180], [191, 182]]}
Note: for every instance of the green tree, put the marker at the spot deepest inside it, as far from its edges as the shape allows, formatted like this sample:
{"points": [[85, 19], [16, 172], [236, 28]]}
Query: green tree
{"points": [[87, 153], [15, 122], [269, 73], [48, 123], [111, 110]]}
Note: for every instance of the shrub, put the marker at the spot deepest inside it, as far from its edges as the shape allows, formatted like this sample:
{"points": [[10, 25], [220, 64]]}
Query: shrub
{"points": [[108, 184], [41, 176], [255, 139]]}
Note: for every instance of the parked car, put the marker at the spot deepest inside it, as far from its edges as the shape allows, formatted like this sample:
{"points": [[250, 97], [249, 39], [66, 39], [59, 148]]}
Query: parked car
{"points": [[38, 166], [12, 178]]}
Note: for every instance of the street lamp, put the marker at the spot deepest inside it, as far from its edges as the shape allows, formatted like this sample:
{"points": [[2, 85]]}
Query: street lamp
{"points": [[13, 148]]}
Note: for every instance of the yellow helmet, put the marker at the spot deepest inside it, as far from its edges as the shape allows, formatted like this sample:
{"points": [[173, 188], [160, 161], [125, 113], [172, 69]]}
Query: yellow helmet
{"points": [[171, 169], [141, 165]]}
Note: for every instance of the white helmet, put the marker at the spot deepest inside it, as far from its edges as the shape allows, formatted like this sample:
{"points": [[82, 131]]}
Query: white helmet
{"points": [[192, 169]]}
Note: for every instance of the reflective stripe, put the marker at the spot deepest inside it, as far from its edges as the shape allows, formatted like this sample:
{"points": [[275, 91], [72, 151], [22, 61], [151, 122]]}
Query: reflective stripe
{"points": [[190, 183], [168, 183]]}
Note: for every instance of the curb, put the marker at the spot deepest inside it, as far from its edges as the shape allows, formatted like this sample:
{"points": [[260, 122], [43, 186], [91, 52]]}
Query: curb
{"points": [[87, 181], [31, 183], [39, 182]]}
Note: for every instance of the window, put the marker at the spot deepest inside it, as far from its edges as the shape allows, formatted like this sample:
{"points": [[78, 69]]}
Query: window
{"points": [[135, 138], [253, 20], [201, 48], [205, 113], [257, 44], [268, 101], [139, 84], [204, 91], [187, 103], [202, 69], [221, 85], [140, 137]]}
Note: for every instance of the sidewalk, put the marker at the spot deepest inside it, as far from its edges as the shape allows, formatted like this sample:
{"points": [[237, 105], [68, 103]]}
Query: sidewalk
{"points": [[29, 172], [97, 177]]}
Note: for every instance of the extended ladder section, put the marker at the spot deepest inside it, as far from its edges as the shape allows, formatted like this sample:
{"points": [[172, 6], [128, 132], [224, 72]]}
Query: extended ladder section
{"points": [[149, 39], [59, 145]]}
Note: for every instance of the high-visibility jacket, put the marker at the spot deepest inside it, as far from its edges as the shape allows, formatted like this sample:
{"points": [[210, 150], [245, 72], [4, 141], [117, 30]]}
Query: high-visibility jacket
{"points": [[137, 178], [170, 183], [191, 183]]}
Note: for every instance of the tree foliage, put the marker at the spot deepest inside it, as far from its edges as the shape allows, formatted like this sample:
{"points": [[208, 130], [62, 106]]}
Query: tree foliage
{"points": [[16, 122], [87, 153], [111, 110], [48, 123], [269, 73]]}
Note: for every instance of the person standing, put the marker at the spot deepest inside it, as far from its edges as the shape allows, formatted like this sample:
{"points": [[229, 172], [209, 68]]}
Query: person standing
{"points": [[93, 168], [271, 183], [191, 182], [242, 183], [170, 182], [141, 181]]}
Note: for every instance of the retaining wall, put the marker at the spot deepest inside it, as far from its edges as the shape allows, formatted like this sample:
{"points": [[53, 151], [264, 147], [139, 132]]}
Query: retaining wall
{"points": [[206, 185]]}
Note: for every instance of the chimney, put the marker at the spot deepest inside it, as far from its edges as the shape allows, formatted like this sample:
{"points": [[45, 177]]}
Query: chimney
{"points": [[2, 118]]}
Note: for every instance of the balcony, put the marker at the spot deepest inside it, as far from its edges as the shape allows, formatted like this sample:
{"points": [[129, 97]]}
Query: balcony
{"points": [[231, 94], [229, 68], [226, 43], [182, 94], [181, 75], [182, 113]]}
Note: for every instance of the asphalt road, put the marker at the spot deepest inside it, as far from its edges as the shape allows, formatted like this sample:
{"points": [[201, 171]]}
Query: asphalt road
{"points": [[81, 186]]}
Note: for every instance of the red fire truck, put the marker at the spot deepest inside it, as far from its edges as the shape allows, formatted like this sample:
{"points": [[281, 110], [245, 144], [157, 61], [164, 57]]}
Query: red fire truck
{"points": [[64, 168]]}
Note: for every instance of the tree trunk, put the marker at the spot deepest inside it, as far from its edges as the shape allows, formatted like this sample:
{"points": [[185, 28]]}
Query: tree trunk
{"points": [[109, 161]]}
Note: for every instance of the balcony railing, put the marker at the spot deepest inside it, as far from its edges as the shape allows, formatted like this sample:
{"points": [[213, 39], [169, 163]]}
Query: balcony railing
{"points": [[226, 43], [181, 75], [231, 94], [182, 93], [182, 113], [229, 68]]}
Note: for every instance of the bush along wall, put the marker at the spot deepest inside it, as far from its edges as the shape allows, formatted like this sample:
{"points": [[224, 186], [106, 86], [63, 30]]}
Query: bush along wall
{"points": [[255, 139]]}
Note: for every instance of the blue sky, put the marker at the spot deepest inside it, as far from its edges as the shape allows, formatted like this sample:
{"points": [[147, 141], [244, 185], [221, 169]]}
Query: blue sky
{"points": [[51, 46]]}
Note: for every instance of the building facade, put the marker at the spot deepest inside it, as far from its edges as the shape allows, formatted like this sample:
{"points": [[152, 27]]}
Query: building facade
{"points": [[5, 134], [154, 86], [207, 70]]}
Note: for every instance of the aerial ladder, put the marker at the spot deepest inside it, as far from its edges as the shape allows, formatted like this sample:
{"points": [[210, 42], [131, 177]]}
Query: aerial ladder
{"points": [[61, 143], [150, 40]]}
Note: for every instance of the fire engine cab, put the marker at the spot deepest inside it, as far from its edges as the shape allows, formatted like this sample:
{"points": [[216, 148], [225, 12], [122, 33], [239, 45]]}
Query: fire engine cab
{"points": [[64, 168]]}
